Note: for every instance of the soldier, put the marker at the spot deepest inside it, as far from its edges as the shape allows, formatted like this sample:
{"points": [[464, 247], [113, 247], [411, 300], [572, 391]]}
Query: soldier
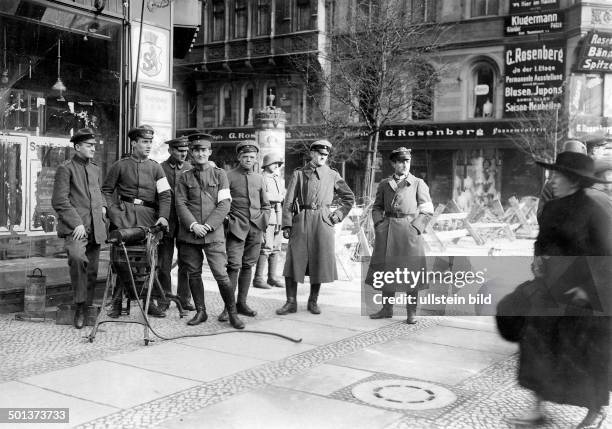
{"points": [[247, 220], [308, 223], [270, 249], [202, 203], [78, 201], [174, 167], [143, 197], [400, 213]]}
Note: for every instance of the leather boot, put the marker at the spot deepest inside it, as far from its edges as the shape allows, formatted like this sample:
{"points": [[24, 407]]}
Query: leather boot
{"points": [[411, 313], [244, 282], [230, 306], [197, 291], [312, 299], [386, 312], [291, 292], [79, 315], [233, 278], [273, 269], [154, 311], [117, 303], [260, 273]]}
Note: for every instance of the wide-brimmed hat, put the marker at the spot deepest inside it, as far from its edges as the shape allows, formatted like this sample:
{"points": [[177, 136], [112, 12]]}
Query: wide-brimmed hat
{"points": [[574, 163]]}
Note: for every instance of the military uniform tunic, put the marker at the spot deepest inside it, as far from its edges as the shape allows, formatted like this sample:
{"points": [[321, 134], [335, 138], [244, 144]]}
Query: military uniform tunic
{"points": [[275, 191], [137, 179]]}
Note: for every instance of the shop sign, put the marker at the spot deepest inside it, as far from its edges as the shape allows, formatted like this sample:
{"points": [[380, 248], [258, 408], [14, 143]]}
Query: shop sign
{"points": [[584, 126], [596, 53], [156, 108], [538, 23], [521, 6], [534, 76], [154, 63]]}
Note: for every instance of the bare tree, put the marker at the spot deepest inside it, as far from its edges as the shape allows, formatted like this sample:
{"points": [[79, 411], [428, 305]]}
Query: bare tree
{"points": [[373, 71]]}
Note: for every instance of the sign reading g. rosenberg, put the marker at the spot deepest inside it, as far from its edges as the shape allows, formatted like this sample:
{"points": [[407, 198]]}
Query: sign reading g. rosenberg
{"points": [[596, 53], [520, 25], [534, 77]]}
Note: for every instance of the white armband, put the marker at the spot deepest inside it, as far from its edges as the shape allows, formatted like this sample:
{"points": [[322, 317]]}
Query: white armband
{"points": [[162, 185], [223, 194], [426, 208]]}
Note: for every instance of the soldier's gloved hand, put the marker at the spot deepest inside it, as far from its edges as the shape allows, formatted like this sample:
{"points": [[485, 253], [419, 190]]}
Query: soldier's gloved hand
{"points": [[287, 232], [199, 230], [163, 222], [334, 218], [79, 232]]}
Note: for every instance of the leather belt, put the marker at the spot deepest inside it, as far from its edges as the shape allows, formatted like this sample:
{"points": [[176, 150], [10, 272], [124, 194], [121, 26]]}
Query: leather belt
{"points": [[313, 206], [398, 215], [139, 202]]}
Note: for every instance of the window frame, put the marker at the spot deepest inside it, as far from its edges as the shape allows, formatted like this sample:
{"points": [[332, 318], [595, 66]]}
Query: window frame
{"points": [[473, 82]]}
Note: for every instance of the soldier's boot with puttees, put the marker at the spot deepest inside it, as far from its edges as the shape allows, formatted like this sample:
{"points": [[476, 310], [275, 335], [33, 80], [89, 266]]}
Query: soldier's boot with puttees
{"points": [[273, 269], [197, 291], [386, 312], [260, 273], [227, 293], [312, 299], [117, 304], [411, 313], [244, 282], [291, 292], [233, 277]]}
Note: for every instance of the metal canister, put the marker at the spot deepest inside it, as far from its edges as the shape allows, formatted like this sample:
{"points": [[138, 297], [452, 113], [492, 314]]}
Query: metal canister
{"points": [[35, 294]]}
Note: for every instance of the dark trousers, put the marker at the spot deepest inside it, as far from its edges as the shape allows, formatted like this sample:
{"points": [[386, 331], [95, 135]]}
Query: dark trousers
{"points": [[165, 252], [83, 258], [243, 253], [192, 256]]}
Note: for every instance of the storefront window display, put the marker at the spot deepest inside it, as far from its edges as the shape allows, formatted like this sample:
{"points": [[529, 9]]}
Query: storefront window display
{"points": [[60, 71]]}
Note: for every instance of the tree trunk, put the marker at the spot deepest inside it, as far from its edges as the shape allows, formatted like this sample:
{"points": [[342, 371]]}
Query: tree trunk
{"points": [[368, 170], [374, 155]]}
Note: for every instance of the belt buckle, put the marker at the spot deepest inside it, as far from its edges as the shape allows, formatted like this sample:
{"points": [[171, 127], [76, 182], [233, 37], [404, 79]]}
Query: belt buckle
{"points": [[138, 201]]}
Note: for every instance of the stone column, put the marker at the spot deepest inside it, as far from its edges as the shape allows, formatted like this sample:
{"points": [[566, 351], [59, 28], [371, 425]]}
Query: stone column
{"points": [[270, 132]]}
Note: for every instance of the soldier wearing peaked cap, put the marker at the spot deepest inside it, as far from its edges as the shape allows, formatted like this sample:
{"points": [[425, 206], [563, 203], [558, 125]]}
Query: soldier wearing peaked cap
{"points": [[81, 208], [202, 203], [308, 223], [269, 255], [174, 167], [400, 213], [143, 196], [247, 221]]}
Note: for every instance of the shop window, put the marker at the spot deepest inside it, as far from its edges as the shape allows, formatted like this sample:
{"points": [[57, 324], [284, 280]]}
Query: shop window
{"points": [[247, 105], [477, 177], [23, 111], [240, 19], [263, 17], [423, 93], [218, 20], [303, 15], [422, 10], [482, 90], [485, 7], [225, 106]]}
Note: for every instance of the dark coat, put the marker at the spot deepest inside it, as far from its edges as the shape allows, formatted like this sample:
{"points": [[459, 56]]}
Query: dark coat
{"points": [[132, 178], [202, 196], [565, 358], [398, 241], [77, 198], [250, 205], [173, 173], [311, 249]]}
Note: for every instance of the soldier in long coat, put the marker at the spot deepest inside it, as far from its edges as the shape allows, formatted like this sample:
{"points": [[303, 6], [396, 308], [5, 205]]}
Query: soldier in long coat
{"points": [[308, 223], [400, 213], [202, 203], [78, 201], [142, 197], [174, 167]]}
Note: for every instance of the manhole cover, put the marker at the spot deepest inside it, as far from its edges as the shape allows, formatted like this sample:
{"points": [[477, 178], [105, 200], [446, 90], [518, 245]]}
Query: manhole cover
{"points": [[403, 394]]}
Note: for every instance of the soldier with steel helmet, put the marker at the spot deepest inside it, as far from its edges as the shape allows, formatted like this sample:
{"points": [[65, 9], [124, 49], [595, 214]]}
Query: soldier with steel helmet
{"points": [[137, 194], [308, 222], [202, 202], [247, 221], [400, 213], [267, 265]]}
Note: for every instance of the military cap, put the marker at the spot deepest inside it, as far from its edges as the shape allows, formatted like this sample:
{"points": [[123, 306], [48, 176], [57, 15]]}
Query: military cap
{"points": [[82, 135], [143, 131], [178, 142], [200, 140], [272, 158], [321, 145], [401, 153], [247, 146]]}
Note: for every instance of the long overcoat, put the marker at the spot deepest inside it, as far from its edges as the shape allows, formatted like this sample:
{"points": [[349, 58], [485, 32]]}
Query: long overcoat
{"points": [[77, 198], [311, 249], [398, 241]]}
